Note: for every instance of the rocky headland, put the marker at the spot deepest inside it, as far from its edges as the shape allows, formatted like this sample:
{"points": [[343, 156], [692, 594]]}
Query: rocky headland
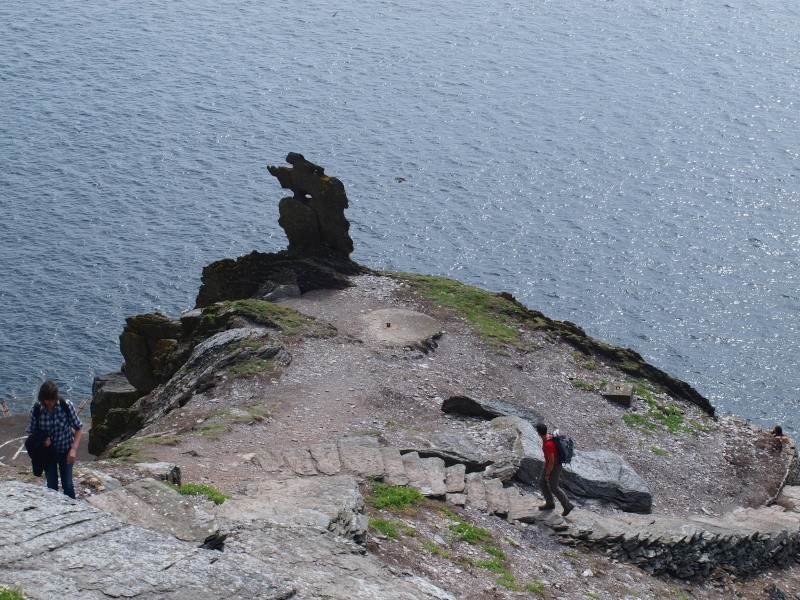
{"points": [[364, 434]]}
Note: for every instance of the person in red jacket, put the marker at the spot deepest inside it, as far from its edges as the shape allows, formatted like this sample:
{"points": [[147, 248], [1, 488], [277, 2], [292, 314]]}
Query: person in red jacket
{"points": [[551, 473]]}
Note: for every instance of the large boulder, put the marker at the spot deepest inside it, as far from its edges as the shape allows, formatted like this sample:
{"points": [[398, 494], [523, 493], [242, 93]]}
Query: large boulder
{"points": [[600, 474]]}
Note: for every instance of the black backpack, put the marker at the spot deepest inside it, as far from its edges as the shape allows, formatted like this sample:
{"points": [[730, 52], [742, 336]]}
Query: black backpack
{"points": [[565, 447]]}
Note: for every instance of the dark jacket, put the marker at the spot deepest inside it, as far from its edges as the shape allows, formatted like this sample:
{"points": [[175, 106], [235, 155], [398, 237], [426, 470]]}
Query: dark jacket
{"points": [[41, 455]]}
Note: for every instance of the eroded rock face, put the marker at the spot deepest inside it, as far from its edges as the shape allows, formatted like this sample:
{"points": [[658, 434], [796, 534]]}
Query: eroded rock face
{"points": [[313, 218], [207, 365], [258, 274]]}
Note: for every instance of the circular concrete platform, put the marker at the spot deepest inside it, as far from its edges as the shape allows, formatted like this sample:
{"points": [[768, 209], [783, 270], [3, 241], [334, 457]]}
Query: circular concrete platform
{"points": [[401, 327]]}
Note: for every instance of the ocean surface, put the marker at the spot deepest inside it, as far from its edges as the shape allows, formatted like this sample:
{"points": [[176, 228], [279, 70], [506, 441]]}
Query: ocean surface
{"points": [[629, 166]]}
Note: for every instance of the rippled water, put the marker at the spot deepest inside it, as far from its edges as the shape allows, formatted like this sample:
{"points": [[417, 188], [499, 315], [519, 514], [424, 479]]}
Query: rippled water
{"points": [[632, 167]]}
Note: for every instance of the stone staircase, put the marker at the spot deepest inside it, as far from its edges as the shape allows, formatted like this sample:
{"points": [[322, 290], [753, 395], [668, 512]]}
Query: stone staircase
{"points": [[367, 460], [743, 542]]}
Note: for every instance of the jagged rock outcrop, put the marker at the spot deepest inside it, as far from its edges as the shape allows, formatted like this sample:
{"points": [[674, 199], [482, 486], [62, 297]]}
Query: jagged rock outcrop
{"points": [[257, 274], [313, 218], [592, 474], [318, 255]]}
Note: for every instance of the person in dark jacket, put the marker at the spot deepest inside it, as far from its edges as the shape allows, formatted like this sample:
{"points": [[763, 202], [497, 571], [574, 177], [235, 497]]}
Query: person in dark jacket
{"points": [[56, 419], [40, 454]]}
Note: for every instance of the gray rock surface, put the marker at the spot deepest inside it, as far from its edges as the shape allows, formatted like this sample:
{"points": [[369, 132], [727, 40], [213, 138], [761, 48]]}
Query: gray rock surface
{"points": [[326, 503], [206, 366], [488, 409], [326, 566], [55, 548], [153, 505]]}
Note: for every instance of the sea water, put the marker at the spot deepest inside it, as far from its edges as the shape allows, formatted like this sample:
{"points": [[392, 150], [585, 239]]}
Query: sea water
{"points": [[629, 166]]}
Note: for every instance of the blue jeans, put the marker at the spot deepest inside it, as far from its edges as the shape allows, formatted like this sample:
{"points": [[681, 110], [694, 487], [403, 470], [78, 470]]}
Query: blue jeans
{"points": [[52, 469]]}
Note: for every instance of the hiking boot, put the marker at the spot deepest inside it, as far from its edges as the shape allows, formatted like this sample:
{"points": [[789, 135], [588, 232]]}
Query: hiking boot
{"points": [[567, 510], [547, 507]]}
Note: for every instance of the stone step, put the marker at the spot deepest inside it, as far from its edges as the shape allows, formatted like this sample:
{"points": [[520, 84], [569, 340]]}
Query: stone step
{"points": [[326, 457], [454, 479], [393, 466], [496, 499], [476, 492]]}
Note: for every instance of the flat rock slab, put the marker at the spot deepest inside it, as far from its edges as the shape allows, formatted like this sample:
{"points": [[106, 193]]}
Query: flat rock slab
{"points": [[327, 503], [323, 565], [54, 547], [153, 505], [489, 409], [401, 327]]}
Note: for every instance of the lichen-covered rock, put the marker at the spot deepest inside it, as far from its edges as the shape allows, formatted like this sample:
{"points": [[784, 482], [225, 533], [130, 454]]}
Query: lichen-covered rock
{"points": [[209, 362]]}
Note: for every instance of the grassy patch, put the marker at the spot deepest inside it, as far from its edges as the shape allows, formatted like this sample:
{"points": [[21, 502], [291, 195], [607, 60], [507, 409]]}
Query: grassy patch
{"points": [[659, 451], [250, 367], [133, 449], [534, 587], [11, 593], [261, 312], [435, 548], [592, 386], [247, 415], [394, 497], [494, 317], [199, 489], [385, 526], [495, 552], [658, 414], [211, 430], [470, 534]]}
